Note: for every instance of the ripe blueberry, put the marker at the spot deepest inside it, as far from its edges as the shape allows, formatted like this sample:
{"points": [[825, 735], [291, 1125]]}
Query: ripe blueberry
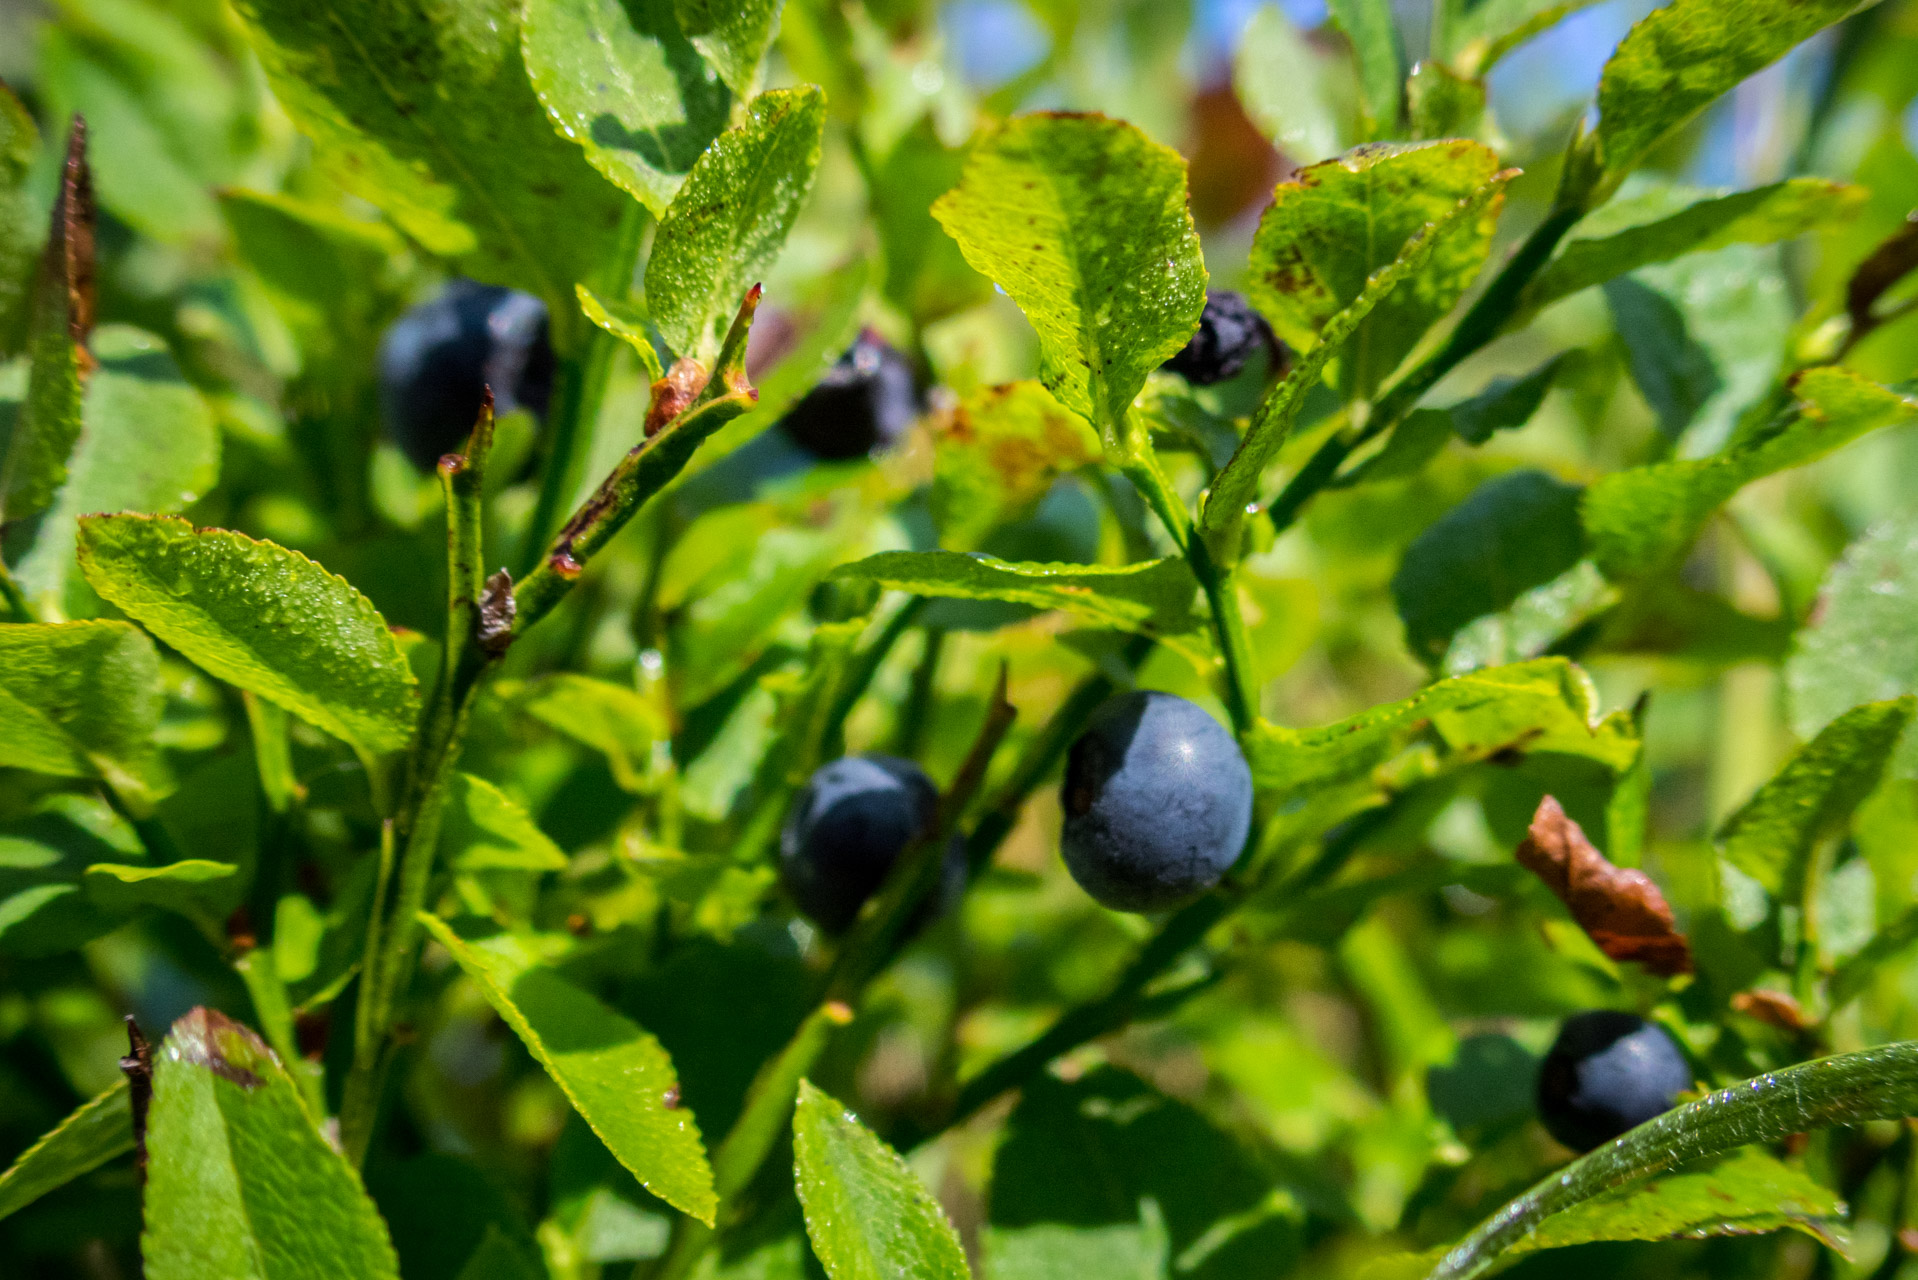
{"points": [[1606, 1073], [1158, 802], [846, 830], [866, 401], [437, 360], [1230, 333]]}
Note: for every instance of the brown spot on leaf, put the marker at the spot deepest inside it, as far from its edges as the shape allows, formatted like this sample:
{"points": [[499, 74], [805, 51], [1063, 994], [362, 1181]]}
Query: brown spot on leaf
{"points": [[1620, 908], [208, 1038]]}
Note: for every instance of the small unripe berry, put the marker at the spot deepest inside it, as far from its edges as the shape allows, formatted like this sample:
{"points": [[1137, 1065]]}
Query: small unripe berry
{"points": [[1158, 802], [847, 828], [1230, 334], [437, 360], [868, 400], [1608, 1073]]}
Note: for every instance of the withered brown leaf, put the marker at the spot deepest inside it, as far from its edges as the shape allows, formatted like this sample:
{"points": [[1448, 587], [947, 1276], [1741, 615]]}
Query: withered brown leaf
{"points": [[1619, 908], [1773, 1007]]}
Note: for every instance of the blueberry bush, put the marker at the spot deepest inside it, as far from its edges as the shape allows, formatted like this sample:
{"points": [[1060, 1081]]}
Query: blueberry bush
{"points": [[1003, 638]]}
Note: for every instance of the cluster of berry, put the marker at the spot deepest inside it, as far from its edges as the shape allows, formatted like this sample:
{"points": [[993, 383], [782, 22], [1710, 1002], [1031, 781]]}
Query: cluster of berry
{"points": [[1157, 796]]}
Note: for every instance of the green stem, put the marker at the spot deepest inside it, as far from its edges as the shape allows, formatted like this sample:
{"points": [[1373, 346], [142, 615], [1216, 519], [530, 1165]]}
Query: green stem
{"points": [[1094, 1018], [1241, 694], [468, 652], [860, 678]]}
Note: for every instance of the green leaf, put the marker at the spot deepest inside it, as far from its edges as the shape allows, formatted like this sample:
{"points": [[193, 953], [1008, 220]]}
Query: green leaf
{"points": [[997, 454], [868, 1216], [1443, 103], [99, 1131], [1863, 644], [1375, 39], [1504, 404], [624, 321], [733, 34], [1608, 247], [59, 314], [192, 886], [1743, 1194], [149, 443], [19, 145], [1874, 1084], [1334, 225], [616, 1075], [1772, 835], [1676, 61], [1544, 705], [486, 830], [601, 714], [1513, 533], [1532, 623], [1283, 83], [1674, 373], [1643, 519], [1153, 596], [1236, 486], [82, 699], [239, 1181], [727, 223], [1082, 220], [620, 79], [261, 617], [426, 112]]}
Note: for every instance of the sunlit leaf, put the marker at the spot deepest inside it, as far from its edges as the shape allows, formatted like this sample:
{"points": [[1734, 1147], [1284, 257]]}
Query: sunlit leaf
{"points": [[1083, 222], [239, 1180], [259, 616], [868, 1216], [610, 1069]]}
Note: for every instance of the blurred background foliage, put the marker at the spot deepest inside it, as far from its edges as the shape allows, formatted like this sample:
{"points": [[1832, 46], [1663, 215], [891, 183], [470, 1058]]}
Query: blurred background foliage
{"points": [[1375, 1067]]}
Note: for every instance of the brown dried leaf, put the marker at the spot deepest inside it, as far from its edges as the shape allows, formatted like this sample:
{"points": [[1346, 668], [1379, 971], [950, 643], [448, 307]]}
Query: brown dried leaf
{"points": [[1619, 908], [1889, 263]]}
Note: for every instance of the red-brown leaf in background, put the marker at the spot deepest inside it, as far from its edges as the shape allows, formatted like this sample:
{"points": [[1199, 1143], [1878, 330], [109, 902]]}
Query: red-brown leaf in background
{"points": [[1621, 909]]}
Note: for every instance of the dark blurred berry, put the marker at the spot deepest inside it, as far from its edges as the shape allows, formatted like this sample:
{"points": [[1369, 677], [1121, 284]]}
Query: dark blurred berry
{"points": [[1608, 1073], [868, 400], [847, 828], [1230, 333], [437, 360]]}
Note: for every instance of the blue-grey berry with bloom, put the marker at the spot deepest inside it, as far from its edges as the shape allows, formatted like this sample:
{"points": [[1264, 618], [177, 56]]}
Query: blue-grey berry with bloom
{"points": [[1158, 802], [848, 827]]}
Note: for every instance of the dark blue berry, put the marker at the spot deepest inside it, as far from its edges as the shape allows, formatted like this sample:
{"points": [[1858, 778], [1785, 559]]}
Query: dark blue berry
{"points": [[868, 400], [1608, 1073], [1158, 802], [1230, 334], [846, 830], [437, 360]]}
